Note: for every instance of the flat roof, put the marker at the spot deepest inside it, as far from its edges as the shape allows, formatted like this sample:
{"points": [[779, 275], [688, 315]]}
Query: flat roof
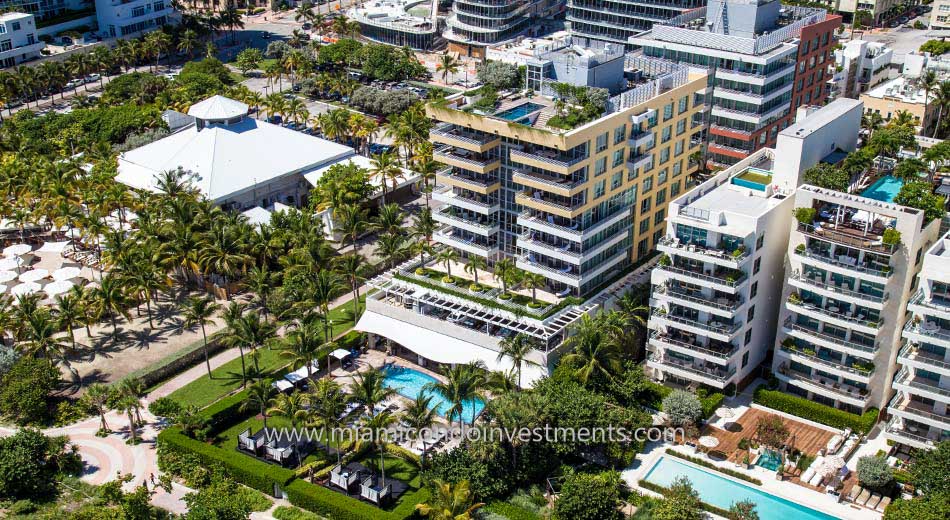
{"points": [[818, 119], [899, 88], [14, 16]]}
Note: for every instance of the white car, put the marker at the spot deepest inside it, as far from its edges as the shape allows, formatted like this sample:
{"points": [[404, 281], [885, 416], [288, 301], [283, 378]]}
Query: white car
{"points": [[92, 77], [73, 83]]}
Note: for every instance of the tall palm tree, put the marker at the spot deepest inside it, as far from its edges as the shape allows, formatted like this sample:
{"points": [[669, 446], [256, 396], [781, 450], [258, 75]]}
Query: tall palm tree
{"points": [[424, 225], [326, 287], [110, 298], [503, 270], [352, 220], [69, 313], [474, 264], [376, 424], [258, 397], [593, 352], [187, 42], [354, 269], [297, 111], [419, 415], [391, 219], [384, 167], [871, 122], [369, 389], [302, 346], [292, 406], [42, 336], [197, 312], [943, 103], [446, 257], [447, 65], [517, 348], [533, 281], [129, 405], [231, 336], [449, 502], [328, 404], [97, 397], [463, 384]]}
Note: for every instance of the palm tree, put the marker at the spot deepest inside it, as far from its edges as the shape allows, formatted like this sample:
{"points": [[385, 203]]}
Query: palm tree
{"points": [[110, 298], [256, 332], [871, 122], [102, 59], [422, 248], [463, 385], [198, 312], [392, 248], [390, 219], [369, 389], [326, 287], [354, 269], [943, 102], [187, 42], [593, 352], [503, 270], [533, 281], [449, 502], [302, 346], [97, 397], [424, 225], [904, 119], [69, 313], [517, 348], [351, 220], [292, 406], [448, 65], [232, 336], [474, 264], [376, 424], [328, 404], [419, 415], [129, 404], [384, 167], [231, 18], [446, 257], [258, 397], [297, 111]]}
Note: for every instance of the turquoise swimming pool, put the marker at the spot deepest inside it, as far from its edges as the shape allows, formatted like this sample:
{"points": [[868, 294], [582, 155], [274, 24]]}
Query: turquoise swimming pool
{"points": [[884, 189], [410, 383], [515, 113], [722, 492], [769, 460]]}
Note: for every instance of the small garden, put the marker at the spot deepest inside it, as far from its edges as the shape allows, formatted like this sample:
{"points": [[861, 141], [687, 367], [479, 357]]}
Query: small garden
{"points": [[806, 409]]}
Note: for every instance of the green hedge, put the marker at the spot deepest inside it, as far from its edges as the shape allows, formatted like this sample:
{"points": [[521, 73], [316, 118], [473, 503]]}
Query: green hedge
{"points": [[225, 412], [323, 501], [663, 491], [242, 468], [706, 464], [510, 511], [175, 363], [822, 414]]}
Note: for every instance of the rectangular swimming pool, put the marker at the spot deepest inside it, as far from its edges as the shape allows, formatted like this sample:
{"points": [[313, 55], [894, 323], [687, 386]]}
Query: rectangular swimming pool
{"points": [[884, 189], [515, 113], [753, 178], [723, 492], [410, 383]]}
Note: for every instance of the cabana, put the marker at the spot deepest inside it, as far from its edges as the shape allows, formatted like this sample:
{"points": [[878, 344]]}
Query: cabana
{"points": [[253, 443], [372, 489], [345, 477]]}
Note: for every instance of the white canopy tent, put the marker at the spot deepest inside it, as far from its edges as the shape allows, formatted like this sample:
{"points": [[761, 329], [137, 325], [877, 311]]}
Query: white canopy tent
{"points": [[340, 353], [58, 287], [17, 250], [11, 263], [66, 273], [7, 276]]}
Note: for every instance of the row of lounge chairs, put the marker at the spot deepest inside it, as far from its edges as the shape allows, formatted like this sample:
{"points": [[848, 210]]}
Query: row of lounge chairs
{"points": [[85, 257], [865, 497]]}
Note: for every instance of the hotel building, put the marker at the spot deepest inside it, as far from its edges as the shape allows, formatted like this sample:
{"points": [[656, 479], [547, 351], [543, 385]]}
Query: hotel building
{"points": [[474, 25], [765, 60], [615, 21], [716, 295], [576, 206], [920, 408]]}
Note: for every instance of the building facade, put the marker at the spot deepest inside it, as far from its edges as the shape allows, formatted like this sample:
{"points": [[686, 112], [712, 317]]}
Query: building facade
{"points": [[390, 22], [940, 15], [123, 19], [859, 65], [474, 25], [764, 61], [902, 94], [920, 408], [615, 21], [43, 9], [18, 41]]}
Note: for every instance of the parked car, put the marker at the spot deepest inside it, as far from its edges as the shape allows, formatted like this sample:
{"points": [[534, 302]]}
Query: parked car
{"points": [[92, 77], [73, 83]]}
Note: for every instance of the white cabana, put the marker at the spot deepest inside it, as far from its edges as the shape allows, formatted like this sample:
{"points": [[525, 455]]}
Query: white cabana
{"points": [[10, 263], [17, 250], [7, 276], [34, 275], [26, 288], [282, 385], [340, 353], [66, 273], [58, 287]]}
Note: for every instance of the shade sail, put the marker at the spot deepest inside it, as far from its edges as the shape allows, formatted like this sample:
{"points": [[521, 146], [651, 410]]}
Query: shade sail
{"points": [[340, 353]]}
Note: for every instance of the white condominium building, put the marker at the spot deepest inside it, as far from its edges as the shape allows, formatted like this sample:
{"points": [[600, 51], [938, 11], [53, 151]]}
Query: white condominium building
{"points": [[859, 66], [920, 409], [126, 18], [18, 42]]}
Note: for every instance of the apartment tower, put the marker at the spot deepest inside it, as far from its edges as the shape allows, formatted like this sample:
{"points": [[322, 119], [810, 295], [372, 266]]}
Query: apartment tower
{"points": [[615, 21]]}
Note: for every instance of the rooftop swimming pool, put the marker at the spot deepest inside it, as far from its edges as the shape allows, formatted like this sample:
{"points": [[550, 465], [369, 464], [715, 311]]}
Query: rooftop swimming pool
{"points": [[753, 178], [410, 383], [518, 112], [723, 492], [884, 189]]}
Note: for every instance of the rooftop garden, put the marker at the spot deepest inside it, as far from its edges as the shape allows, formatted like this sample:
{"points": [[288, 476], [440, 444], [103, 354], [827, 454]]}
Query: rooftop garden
{"points": [[577, 105]]}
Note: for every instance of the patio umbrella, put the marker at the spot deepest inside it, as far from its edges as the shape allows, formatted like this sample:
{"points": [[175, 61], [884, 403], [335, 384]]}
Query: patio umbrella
{"points": [[10, 263], [6, 276], [34, 275], [58, 287], [66, 273], [724, 412], [26, 288], [17, 250], [709, 441], [3, 289], [830, 466]]}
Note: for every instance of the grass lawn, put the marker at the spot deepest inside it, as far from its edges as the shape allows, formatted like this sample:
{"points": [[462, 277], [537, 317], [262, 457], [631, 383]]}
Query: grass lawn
{"points": [[227, 378], [227, 439], [396, 468], [758, 178]]}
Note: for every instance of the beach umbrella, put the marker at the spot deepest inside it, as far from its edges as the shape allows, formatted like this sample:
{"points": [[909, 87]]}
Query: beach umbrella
{"points": [[26, 288], [17, 250], [34, 275], [709, 441], [724, 412], [830, 466], [7, 276], [58, 287], [10, 263], [66, 273]]}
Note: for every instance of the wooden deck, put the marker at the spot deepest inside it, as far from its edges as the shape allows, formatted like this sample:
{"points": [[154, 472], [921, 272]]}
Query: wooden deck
{"points": [[807, 439]]}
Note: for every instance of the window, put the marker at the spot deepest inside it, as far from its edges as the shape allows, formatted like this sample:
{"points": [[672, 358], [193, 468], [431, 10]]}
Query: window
{"points": [[666, 134], [633, 174], [158, 6], [660, 214], [138, 11], [757, 265], [647, 184], [3, 29], [745, 359], [600, 188], [644, 225], [748, 337], [600, 166], [680, 127], [642, 248], [683, 105], [667, 112], [678, 148], [677, 168], [661, 177], [645, 205], [664, 155], [759, 241], [675, 187], [602, 142], [751, 314], [15, 26], [616, 180], [754, 290], [619, 134], [660, 196], [618, 157], [6, 45]]}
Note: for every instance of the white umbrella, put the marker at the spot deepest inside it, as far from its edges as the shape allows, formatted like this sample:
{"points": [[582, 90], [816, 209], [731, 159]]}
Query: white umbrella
{"points": [[17, 250], [340, 353], [26, 288], [709, 441], [66, 273], [58, 287], [3, 289], [10, 263], [34, 275], [830, 466], [724, 412], [6, 276]]}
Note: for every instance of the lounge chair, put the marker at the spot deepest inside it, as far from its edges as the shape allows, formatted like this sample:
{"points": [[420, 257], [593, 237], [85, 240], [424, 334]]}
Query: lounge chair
{"points": [[863, 497], [873, 502], [855, 491], [882, 505]]}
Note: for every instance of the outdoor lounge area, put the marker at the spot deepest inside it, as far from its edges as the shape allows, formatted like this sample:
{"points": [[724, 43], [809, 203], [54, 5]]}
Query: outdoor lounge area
{"points": [[358, 481], [272, 446], [850, 226]]}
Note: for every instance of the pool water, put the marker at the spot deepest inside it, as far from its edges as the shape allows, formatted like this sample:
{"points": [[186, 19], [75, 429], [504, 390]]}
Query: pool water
{"points": [[410, 383], [753, 178], [722, 492], [518, 112], [884, 189], [769, 460]]}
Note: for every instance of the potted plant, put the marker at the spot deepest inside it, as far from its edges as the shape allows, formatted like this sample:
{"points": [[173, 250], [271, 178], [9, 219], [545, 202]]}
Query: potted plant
{"points": [[737, 254], [794, 298], [665, 260], [805, 215], [800, 248], [448, 279], [421, 271], [891, 237], [505, 296], [746, 462]]}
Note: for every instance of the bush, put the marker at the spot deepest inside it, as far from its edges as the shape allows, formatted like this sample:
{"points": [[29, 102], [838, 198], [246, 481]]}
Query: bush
{"points": [[891, 237], [509, 511], [164, 407], [382, 102], [805, 215], [22, 507], [801, 407], [682, 408], [8, 356], [30, 464], [706, 464], [935, 47], [589, 496], [930, 469], [331, 504], [25, 390], [874, 472], [499, 75], [294, 513]]}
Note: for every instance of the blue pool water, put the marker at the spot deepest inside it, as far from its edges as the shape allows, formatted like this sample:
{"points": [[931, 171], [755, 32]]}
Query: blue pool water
{"points": [[519, 111], [769, 460], [884, 189], [722, 492], [410, 383]]}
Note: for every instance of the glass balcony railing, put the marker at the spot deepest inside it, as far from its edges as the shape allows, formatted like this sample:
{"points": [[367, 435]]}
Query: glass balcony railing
{"points": [[845, 262], [724, 353], [709, 371], [828, 338], [713, 326], [811, 355], [837, 289]]}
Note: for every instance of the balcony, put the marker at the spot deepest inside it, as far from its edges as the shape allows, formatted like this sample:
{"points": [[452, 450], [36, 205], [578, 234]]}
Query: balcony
{"points": [[927, 332], [564, 252], [722, 305], [543, 201], [727, 282], [844, 234], [559, 185], [912, 355], [734, 259], [481, 184], [547, 160], [906, 382], [671, 342], [569, 274], [856, 319], [847, 264], [451, 218], [645, 116], [819, 286], [548, 224], [644, 162], [724, 331], [898, 431], [936, 305], [709, 374], [448, 237], [819, 385], [482, 205], [456, 136], [904, 407], [644, 139], [811, 358], [465, 159], [827, 340]]}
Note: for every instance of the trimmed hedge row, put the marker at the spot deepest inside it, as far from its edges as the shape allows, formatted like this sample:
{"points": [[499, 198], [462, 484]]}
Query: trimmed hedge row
{"points": [[246, 470], [175, 363], [510, 511], [823, 414], [225, 412], [322, 501], [664, 490], [706, 464]]}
